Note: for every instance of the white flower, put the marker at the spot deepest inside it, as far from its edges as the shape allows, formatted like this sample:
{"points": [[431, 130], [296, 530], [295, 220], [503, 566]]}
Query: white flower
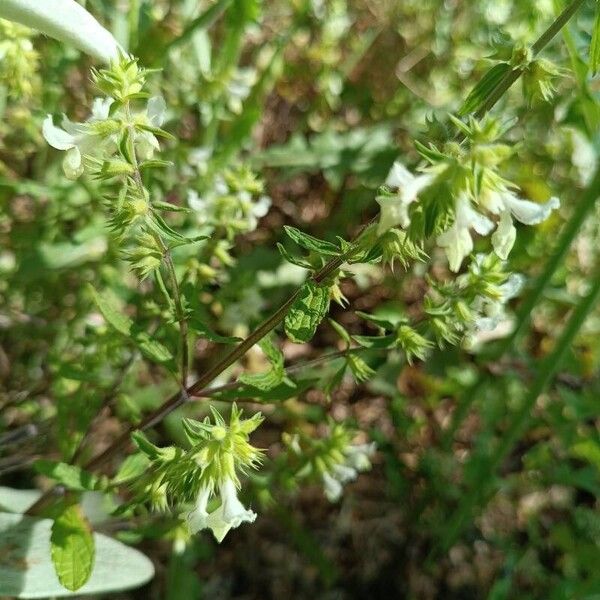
{"points": [[394, 208], [254, 210], [80, 139], [66, 21], [358, 456], [76, 138], [509, 206], [457, 239], [356, 459], [505, 235], [230, 515], [333, 488]]}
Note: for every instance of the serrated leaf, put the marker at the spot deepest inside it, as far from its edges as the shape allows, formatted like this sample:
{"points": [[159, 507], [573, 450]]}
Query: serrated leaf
{"points": [[307, 312], [595, 44], [308, 242], [72, 547], [274, 376], [483, 89], [70, 476]]}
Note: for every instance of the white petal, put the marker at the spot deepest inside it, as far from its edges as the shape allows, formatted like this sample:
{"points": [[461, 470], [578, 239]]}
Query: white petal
{"points": [[157, 109], [66, 21], [357, 456], [394, 211], [505, 235], [514, 284], [197, 518], [411, 190], [480, 223], [72, 164], [230, 514], [261, 207], [58, 138], [101, 109], [399, 176], [458, 243], [529, 213], [344, 473], [333, 488]]}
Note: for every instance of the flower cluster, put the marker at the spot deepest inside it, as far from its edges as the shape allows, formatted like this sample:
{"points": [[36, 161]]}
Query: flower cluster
{"points": [[235, 201], [210, 468], [461, 190], [474, 302], [334, 460], [113, 133]]}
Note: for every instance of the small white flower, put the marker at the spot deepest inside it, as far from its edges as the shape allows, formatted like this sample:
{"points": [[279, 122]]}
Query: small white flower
{"points": [[230, 515], [457, 240], [356, 459], [358, 456], [333, 488], [505, 235], [197, 517], [509, 206], [76, 138], [394, 208]]}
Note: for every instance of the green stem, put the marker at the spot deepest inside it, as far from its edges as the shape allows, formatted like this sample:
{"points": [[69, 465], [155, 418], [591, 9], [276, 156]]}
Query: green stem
{"points": [[202, 383], [512, 76]]}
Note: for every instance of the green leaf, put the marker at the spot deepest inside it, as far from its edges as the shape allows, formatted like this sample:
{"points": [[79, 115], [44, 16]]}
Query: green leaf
{"points": [[483, 89], [116, 319], [375, 341], [341, 331], [151, 348], [204, 331], [159, 225], [131, 468], [389, 321], [595, 45], [70, 476], [274, 376], [26, 541], [72, 547], [308, 242], [307, 312], [299, 262]]}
